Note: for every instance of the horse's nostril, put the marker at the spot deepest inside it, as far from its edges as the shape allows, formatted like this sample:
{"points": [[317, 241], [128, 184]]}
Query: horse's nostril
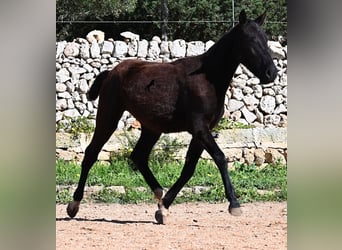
{"points": [[268, 73]]}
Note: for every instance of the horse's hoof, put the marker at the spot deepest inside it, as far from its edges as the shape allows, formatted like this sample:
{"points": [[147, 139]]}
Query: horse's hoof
{"points": [[160, 216], [72, 208], [236, 211]]}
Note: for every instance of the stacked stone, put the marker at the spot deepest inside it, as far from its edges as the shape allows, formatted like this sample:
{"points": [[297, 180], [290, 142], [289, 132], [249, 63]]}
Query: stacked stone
{"points": [[79, 62], [250, 102]]}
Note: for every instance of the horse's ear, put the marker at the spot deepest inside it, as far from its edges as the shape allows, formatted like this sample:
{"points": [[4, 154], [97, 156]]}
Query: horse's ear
{"points": [[261, 19], [242, 17]]}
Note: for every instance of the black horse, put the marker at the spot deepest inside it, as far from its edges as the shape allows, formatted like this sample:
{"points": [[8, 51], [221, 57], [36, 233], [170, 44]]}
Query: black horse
{"points": [[185, 95]]}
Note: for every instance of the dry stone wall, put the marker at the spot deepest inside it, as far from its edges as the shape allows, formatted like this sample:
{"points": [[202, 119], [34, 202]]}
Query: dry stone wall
{"points": [[79, 62], [258, 145]]}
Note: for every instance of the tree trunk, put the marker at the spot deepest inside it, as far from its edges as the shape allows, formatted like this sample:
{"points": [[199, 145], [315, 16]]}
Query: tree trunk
{"points": [[165, 16]]}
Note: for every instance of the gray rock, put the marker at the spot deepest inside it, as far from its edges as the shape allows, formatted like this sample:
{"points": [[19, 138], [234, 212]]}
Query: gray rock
{"points": [[259, 156], [85, 51], [272, 120], [249, 116], [62, 75], [253, 81], [257, 91], [90, 107], [233, 154], [70, 86], [247, 90], [83, 86], [200, 189], [178, 48], [61, 87], [280, 109], [133, 48], [72, 113], [277, 51], [269, 91], [59, 116], [81, 107], [234, 105], [64, 95], [279, 99], [153, 50], [259, 115], [60, 48], [61, 104], [238, 70], [104, 61], [76, 96], [107, 47], [131, 36], [237, 94], [76, 70], [72, 49], [251, 102], [70, 104], [164, 49], [121, 49], [88, 76], [208, 45], [267, 104], [95, 50], [195, 48], [95, 65], [238, 83], [236, 115], [156, 39], [273, 156], [284, 92], [248, 155], [142, 48]]}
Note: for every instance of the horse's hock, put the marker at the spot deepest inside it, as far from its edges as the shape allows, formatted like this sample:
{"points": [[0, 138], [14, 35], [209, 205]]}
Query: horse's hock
{"points": [[264, 106]]}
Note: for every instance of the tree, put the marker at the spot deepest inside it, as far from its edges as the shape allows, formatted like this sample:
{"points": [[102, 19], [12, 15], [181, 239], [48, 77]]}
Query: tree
{"points": [[203, 19], [88, 10]]}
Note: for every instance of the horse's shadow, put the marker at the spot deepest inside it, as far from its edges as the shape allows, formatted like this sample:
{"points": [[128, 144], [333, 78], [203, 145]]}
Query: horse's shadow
{"points": [[107, 221]]}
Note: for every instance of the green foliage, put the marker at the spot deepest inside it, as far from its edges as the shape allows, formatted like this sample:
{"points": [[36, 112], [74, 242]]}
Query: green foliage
{"points": [[63, 196], [76, 126], [185, 10], [251, 183], [86, 10], [164, 151], [266, 184], [225, 123]]}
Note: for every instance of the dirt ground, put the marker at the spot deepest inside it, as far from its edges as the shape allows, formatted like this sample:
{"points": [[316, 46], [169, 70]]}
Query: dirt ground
{"points": [[263, 225]]}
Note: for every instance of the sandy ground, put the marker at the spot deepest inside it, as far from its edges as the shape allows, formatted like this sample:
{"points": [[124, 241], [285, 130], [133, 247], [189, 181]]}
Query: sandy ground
{"points": [[263, 225]]}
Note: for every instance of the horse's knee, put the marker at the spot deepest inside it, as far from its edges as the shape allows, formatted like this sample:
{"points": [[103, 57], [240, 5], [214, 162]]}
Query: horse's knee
{"points": [[220, 160]]}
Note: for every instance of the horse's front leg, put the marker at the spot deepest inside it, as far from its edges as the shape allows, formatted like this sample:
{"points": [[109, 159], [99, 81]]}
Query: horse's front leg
{"points": [[194, 152], [203, 134]]}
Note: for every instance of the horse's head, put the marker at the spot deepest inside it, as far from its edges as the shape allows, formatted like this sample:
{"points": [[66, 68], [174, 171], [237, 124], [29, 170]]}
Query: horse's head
{"points": [[252, 50]]}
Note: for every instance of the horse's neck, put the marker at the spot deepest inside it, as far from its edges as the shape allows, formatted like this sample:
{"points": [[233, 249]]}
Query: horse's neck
{"points": [[219, 62]]}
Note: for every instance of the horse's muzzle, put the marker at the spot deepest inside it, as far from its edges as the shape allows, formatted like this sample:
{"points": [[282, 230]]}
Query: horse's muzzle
{"points": [[270, 75]]}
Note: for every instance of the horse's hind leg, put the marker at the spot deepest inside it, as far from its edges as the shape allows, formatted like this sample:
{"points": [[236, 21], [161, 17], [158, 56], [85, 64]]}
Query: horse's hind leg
{"points": [[106, 122], [140, 156], [194, 152]]}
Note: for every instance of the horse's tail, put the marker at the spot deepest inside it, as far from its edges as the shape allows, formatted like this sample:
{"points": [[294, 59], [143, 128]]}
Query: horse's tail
{"points": [[94, 91]]}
